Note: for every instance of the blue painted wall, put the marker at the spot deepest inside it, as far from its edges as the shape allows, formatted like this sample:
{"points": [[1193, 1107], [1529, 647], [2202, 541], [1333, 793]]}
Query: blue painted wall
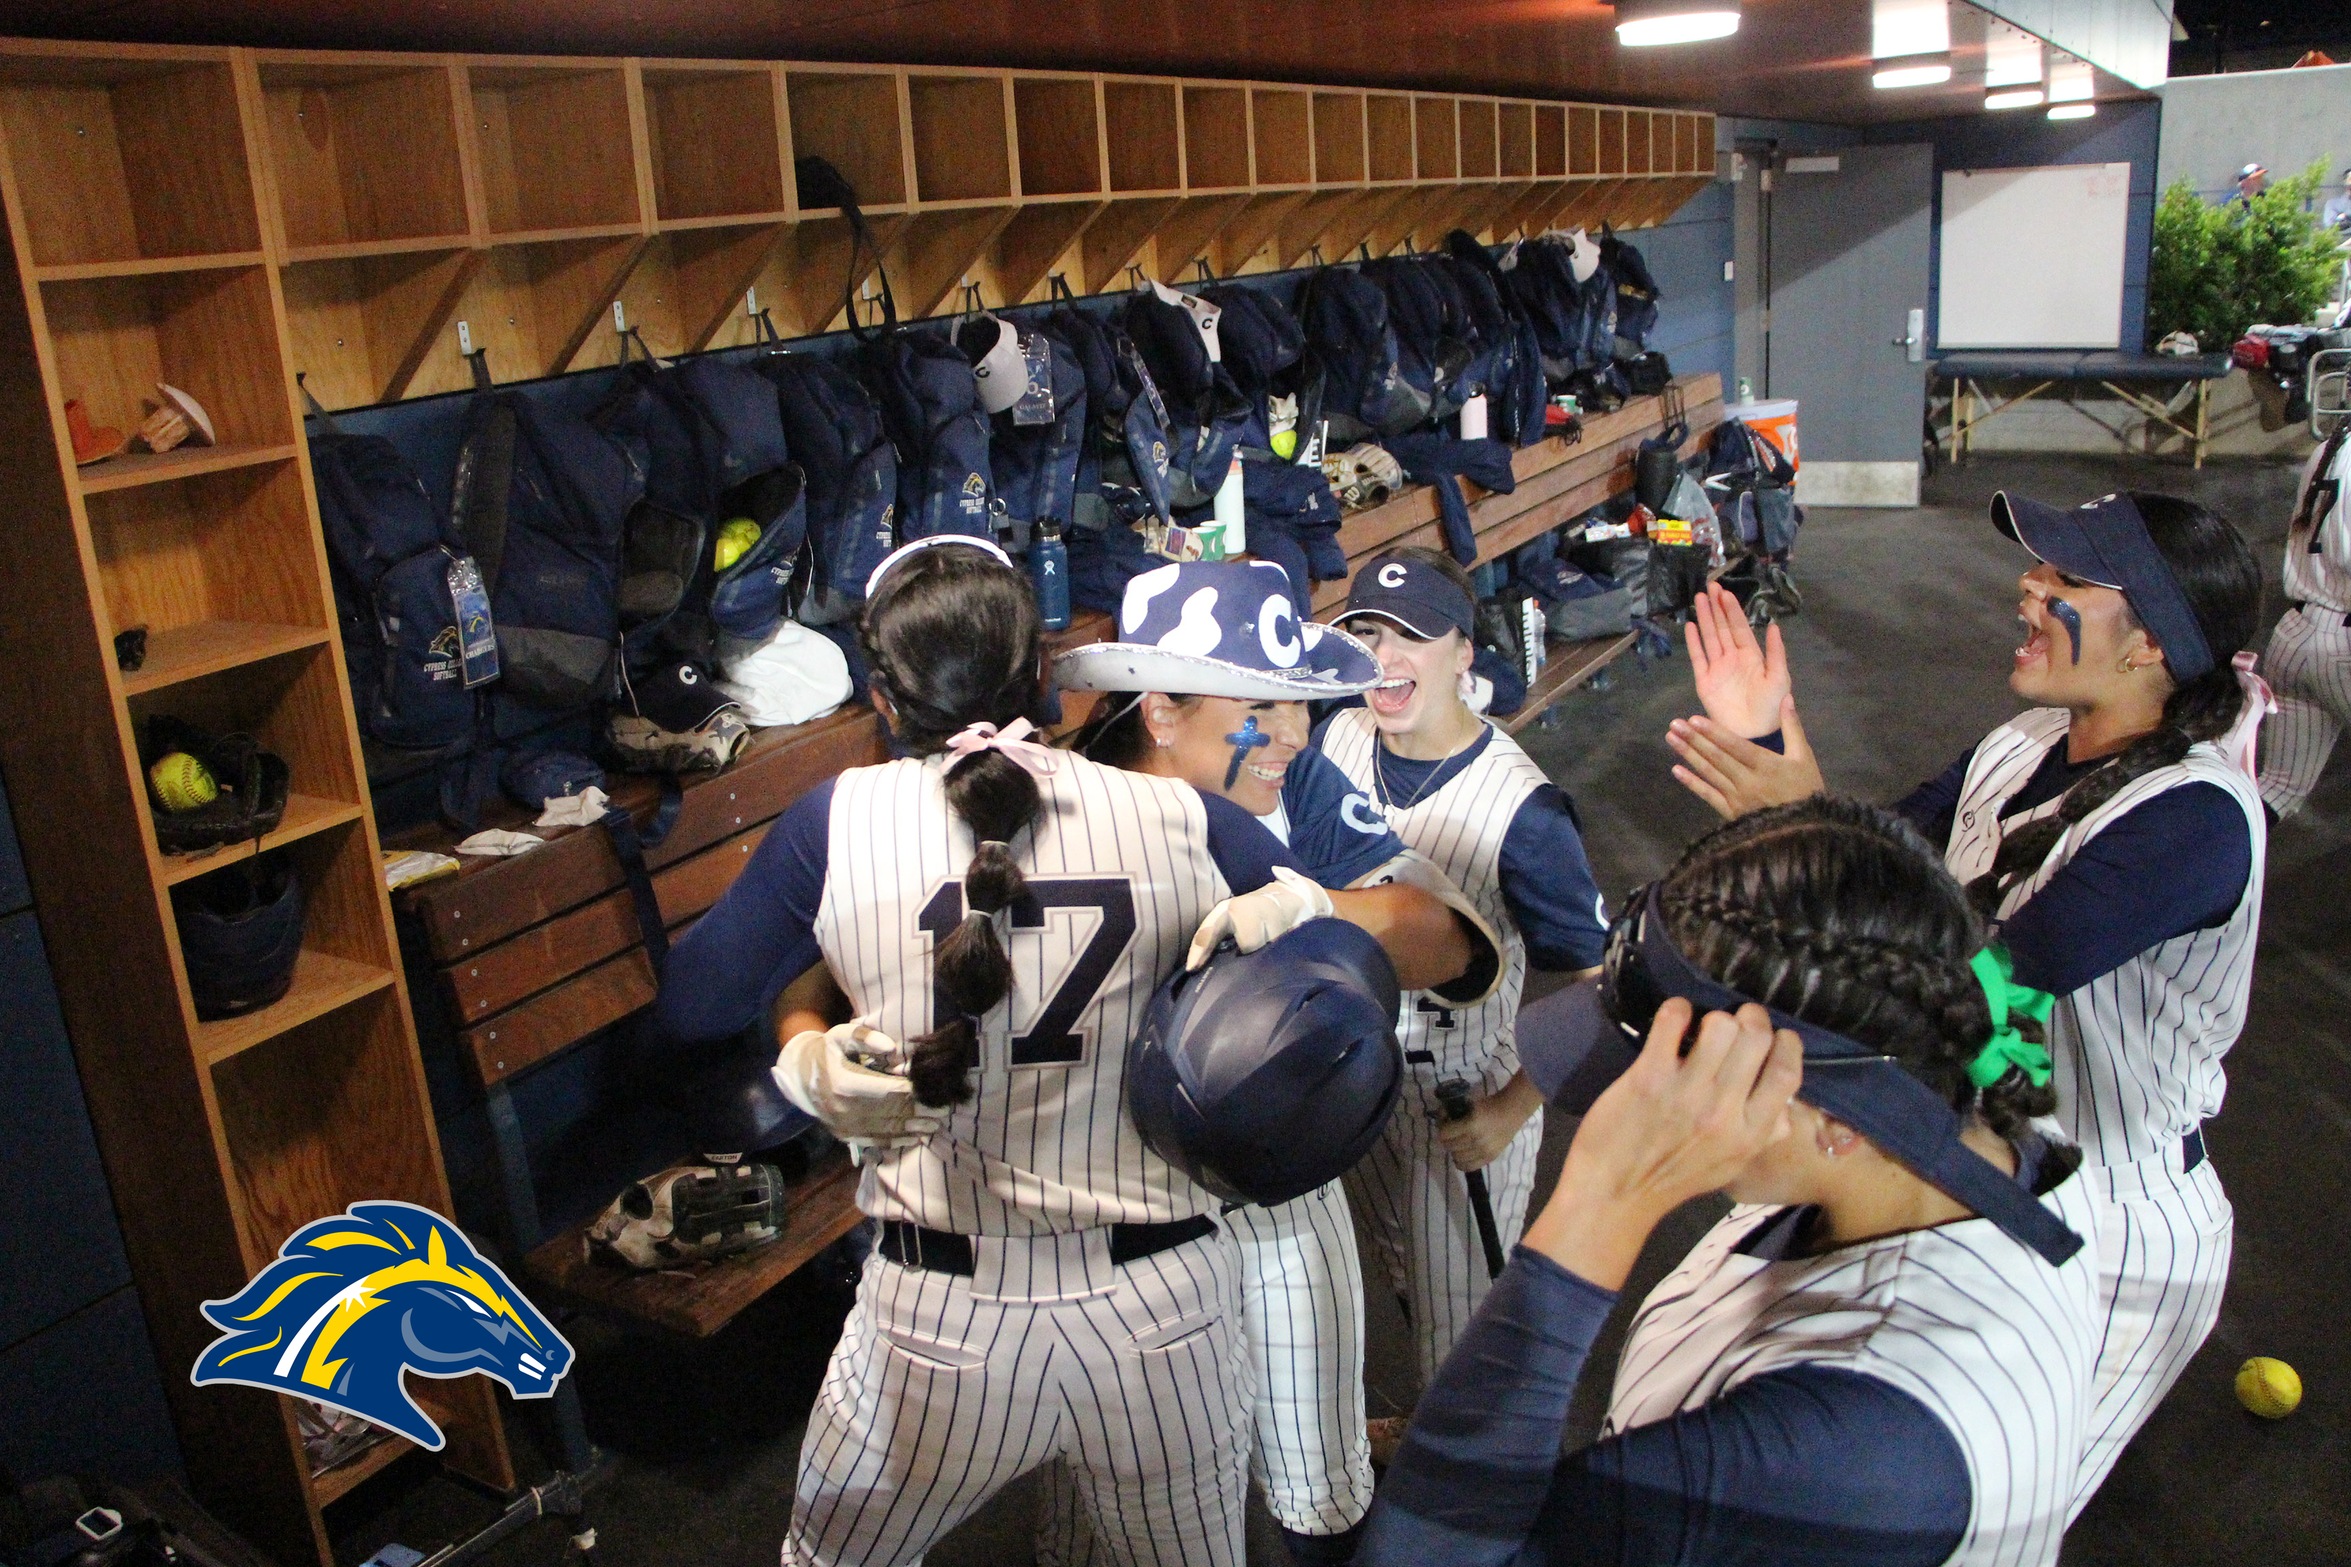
{"points": [[79, 1387], [2021, 139], [1686, 254]]}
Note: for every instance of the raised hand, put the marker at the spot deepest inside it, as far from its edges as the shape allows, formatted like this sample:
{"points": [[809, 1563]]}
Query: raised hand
{"points": [[1736, 776], [1672, 1127], [1741, 684]]}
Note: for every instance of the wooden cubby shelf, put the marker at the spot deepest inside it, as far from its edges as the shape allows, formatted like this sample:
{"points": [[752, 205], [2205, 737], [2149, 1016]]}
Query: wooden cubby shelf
{"points": [[343, 1479], [305, 814], [209, 647], [322, 983], [182, 462]]}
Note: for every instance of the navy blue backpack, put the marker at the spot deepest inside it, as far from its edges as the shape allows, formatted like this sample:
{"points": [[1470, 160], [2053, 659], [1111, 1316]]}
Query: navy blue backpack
{"points": [[541, 500], [390, 550], [1355, 376], [1036, 465], [1434, 348], [1510, 361], [930, 404], [836, 434]]}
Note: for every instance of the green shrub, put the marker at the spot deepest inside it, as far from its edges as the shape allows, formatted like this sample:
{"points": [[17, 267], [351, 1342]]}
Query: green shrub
{"points": [[2218, 270]]}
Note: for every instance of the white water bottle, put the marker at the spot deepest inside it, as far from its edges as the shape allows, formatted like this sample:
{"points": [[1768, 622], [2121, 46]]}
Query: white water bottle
{"points": [[1473, 418], [1232, 518]]}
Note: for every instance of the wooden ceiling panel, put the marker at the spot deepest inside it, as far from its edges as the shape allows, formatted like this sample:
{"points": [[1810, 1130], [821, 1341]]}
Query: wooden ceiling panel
{"points": [[1792, 59]]}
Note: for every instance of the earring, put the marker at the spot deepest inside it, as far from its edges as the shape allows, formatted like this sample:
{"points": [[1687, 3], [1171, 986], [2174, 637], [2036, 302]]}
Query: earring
{"points": [[2126, 666], [1162, 741]]}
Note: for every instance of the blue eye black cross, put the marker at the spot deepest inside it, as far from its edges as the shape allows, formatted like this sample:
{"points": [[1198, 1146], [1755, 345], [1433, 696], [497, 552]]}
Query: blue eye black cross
{"points": [[1243, 740]]}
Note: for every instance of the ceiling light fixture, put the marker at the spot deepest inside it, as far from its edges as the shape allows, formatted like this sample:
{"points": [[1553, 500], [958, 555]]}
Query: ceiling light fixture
{"points": [[1642, 24], [2070, 81], [2012, 58], [2072, 111], [1906, 27], [1913, 74], [2021, 98]]}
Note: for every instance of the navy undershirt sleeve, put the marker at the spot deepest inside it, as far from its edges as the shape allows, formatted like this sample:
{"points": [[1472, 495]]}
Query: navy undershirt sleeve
{"points": [[724, 973], [1813, 1463], [1548, 885], [1933, 807], [1333, 828], [2175, 863], [1242, 846]]}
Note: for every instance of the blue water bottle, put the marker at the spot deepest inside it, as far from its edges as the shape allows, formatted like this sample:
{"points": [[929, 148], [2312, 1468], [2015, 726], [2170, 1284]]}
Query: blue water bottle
{"points": [[1049, 567]]}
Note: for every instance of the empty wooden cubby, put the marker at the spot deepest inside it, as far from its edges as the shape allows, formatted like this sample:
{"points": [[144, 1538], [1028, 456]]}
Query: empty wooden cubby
{"points": [[363, 155], [557, 151], [128, 157], [1060, 135], [713, 138], [1216, 137], [1283, 121], [961, 126]]}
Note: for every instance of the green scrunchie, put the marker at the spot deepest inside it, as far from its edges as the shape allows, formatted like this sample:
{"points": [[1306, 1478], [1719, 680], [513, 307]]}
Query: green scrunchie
{"points": [[2008, 1048]]}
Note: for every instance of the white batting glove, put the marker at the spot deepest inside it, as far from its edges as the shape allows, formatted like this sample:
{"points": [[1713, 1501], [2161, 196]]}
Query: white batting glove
{"points": [[1255, 918], [822, 1075]]}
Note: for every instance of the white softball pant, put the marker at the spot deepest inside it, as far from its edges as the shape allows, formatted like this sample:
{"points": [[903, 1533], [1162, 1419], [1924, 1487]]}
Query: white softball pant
{"points": [[2308, 666], [1302, 1296], [945, 1388], [1417, 1207], [2164, 1241]]}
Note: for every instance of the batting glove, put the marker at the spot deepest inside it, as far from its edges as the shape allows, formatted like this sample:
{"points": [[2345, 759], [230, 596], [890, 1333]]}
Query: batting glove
{"points": [[823, 1075], [1255, 918]]}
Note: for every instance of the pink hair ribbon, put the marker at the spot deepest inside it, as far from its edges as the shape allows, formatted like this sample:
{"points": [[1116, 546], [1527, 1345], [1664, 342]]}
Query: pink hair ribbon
{"points": [[1012, 741]]}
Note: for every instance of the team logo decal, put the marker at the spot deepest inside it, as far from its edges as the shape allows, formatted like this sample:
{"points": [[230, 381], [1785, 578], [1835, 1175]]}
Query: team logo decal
{"points": [[354, 1300]]}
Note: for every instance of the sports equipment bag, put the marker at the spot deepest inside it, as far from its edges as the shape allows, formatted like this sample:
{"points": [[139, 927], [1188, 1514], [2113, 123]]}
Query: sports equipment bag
{"points": [[835, 433]]}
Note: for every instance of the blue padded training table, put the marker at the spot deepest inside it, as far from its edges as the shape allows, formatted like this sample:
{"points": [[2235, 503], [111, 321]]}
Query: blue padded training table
{"points": [[2127, 376]]}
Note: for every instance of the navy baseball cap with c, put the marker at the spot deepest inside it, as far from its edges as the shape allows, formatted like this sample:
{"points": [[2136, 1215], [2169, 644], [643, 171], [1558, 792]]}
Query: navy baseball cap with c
{"points": [[2105, 542], [1412, 594]]}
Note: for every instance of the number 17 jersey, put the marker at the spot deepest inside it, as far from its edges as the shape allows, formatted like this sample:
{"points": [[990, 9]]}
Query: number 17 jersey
{"points": [[1121, 868]]}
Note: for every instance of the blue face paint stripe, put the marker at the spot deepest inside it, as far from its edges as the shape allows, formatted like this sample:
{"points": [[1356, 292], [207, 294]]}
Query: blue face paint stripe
{"points": [[1243, 740], [2071, 619]]}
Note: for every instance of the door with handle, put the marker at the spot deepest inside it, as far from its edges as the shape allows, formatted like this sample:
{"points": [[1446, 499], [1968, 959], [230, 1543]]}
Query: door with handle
{"points": [[1848, 239]]}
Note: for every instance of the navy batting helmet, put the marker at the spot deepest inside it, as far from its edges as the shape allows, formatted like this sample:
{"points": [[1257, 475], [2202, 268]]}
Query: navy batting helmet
{"points": [[1266, 1074]]}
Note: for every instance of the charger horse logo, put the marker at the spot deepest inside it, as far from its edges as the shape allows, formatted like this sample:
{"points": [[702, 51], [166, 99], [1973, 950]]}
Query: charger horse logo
{"points": [[354, 1300]]}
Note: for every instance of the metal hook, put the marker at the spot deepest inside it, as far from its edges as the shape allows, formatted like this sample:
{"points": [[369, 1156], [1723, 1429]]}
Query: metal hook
{"points": [[1135, 278]]}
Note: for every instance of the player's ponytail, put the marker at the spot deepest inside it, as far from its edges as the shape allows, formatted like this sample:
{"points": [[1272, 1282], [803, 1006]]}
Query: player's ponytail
{"points": [[2218, 573], [952, 639], [1838, 913]]}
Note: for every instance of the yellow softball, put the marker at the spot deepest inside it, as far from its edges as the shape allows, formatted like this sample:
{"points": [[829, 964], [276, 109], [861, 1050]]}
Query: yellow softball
{"points": [[735, 537], [2270, 1388], [182, 783]]}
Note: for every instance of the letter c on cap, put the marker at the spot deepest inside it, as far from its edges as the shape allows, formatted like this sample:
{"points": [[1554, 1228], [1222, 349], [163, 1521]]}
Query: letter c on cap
{"points": [[1392, 574]]}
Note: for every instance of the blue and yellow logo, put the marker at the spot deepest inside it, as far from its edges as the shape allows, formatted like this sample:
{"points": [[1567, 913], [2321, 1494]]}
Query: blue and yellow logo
{"points": [[355, 1300]]}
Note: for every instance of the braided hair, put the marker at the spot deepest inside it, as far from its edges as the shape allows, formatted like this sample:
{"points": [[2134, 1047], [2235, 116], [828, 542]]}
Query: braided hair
{"points": [[953, 639], [2216, 569], [1837, 912]]}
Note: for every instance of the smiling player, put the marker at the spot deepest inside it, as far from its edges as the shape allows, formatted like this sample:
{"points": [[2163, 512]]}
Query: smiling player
{"points": [[2114, 835]]}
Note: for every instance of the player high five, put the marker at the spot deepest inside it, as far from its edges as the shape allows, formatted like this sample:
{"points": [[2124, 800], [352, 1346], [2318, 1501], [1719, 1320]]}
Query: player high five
{"points": [[2115, 834]]}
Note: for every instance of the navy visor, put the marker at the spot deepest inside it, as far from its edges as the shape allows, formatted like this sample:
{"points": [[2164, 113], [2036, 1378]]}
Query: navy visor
{"points": [[2106, 542]]}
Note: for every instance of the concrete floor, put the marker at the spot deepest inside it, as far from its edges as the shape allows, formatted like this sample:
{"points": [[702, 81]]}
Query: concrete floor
{"points": [[1901, 659]]}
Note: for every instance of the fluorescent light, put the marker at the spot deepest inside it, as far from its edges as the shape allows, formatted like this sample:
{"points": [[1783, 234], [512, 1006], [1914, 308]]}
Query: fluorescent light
{"points": [[1676, 27], [1913, 75], [2070, 82], [2022, 98], [2011, 58], [2072, 111], [1903, 27]]}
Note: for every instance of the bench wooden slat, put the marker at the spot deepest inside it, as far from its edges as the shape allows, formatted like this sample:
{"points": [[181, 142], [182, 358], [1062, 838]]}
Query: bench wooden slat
{"points": [[697, 1303], [557, 1018], [481, 984]]}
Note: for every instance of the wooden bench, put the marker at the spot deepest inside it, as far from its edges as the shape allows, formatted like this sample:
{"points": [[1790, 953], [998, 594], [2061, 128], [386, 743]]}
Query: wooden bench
{"points": [[533, 954]]}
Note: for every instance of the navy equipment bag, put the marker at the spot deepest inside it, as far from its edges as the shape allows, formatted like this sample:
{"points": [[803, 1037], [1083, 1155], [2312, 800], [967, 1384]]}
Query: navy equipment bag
{"points": [[836, 435]]}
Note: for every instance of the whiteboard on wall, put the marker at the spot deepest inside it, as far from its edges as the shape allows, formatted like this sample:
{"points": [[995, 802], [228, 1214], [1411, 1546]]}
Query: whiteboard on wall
{"points": [[2032, 258]]}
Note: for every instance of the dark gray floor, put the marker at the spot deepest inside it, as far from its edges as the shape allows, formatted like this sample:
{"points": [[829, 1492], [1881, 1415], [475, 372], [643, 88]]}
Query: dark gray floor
{"points": [[1901, 661]]}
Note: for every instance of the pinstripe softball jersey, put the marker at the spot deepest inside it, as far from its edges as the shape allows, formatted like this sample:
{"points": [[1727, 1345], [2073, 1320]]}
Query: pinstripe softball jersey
{"points": [[2308, 661], [2139, 1048], [1983, 1332]]}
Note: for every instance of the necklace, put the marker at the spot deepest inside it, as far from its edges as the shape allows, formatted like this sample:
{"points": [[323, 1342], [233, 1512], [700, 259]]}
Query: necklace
{"points": [[1391, 808]]}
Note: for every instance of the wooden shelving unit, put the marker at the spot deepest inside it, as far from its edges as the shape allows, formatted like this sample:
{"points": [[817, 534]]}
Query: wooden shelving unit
{"points": [[163, 205], [403, 194]]}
